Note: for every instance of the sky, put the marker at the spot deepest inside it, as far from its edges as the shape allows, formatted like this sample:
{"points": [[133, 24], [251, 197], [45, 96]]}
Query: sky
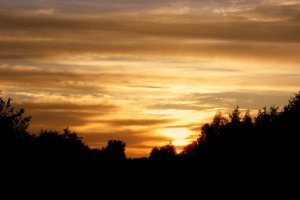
{"points": [[146, 72]]}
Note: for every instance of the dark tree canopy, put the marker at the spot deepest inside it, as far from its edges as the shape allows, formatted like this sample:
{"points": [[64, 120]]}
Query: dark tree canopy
{"points": [[15, 141], [269, 137], [115, 150], [167, 152], [51, 146], [12, 120]]}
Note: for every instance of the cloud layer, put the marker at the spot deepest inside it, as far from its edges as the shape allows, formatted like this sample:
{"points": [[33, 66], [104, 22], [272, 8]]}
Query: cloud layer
{"points": [[134, 70]]}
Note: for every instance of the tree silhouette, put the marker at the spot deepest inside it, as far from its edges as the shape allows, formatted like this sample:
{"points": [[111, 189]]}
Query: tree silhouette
{"points": [[235, 117], [115, 150], [167, 152], [270, 137], [191, 151], [55, 146], [15, 141], [247, 119], [11, 120]]}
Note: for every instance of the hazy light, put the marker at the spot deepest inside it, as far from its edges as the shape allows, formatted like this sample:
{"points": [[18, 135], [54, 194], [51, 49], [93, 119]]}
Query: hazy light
{"points": [[103, 68], [178, 136]]}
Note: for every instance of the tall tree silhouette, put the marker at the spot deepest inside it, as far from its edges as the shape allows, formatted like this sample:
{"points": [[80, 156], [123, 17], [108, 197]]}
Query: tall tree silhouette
{"points": [[15, 141], [12, 120]]}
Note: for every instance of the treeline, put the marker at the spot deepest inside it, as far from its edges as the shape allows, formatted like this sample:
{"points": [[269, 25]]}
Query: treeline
{"points": [[269, 137], [17, 144]]}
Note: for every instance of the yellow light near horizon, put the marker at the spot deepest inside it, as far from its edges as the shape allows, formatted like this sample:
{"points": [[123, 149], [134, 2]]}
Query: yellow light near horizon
{"points": [[178, 136]]}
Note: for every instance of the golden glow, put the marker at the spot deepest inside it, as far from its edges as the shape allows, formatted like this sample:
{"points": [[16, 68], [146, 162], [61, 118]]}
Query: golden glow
{"points": [[146, 73], [178, 136]]}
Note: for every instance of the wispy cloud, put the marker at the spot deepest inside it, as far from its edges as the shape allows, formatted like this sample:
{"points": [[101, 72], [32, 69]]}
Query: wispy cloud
{"points": [[130, 69], [111, 34], [136, 122]]}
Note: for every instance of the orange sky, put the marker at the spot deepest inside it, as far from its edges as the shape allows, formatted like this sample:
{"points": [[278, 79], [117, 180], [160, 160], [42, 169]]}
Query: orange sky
{"points": [[146, 72]]}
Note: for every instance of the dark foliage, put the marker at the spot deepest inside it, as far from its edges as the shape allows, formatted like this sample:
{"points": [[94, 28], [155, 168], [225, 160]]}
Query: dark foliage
{"points": [[164, 153], [269, 138], [15, 140], [239, 154], [115, 150], [17, 145]]}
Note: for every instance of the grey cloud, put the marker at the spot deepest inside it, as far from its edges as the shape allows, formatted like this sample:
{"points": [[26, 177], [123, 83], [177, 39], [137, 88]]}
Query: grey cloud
{"points": [[275, 12], [124, 5], [139, 6], [87, 5], [246, 100], [128, 36], [71, 31]]}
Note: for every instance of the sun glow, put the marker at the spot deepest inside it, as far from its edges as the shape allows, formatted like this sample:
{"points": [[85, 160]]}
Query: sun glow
{"points": [[146, 73], [178, 136]]}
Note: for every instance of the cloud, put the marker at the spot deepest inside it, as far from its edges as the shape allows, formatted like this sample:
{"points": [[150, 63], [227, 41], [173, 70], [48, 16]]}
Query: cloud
{"points": [[88, 5], [136, 122], [87, 82], [113, 68], [246, 100], [180, 106], [198, 102], [43, 79], [277, 12], [59, 106], [193, 127], [62, 114], [61, 35]]}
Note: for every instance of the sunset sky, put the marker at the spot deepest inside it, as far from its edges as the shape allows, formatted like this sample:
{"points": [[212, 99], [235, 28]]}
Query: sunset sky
{"points": [[147, 72]]}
